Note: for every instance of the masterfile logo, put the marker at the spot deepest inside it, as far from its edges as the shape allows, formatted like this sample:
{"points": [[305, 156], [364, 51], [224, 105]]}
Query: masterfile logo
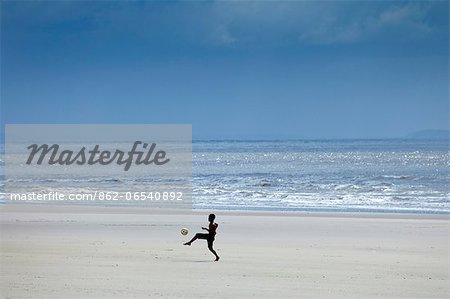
{"points": [[148, 164], [94, 156]]}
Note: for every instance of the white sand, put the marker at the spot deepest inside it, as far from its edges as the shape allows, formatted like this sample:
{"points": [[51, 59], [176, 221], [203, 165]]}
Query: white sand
{"points": [[86, 252]]}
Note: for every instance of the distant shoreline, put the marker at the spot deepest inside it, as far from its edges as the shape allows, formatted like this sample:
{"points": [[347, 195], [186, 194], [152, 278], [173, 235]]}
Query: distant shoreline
{"points": [[130, 209]]}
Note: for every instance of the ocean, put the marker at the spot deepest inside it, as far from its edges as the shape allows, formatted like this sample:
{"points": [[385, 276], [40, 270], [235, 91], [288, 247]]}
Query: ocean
{"points": [[390, 175], [323, 175]]}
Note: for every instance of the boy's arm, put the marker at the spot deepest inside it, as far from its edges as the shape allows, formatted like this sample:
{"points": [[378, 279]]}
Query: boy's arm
{"points": [[205, 228]]}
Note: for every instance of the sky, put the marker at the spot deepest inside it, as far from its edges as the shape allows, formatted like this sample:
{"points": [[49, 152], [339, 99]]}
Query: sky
{"points": [[234, 70]]}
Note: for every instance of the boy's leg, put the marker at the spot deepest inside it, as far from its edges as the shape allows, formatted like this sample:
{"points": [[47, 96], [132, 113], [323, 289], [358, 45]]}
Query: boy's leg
{"points": [[197, 236], [210, 247]]}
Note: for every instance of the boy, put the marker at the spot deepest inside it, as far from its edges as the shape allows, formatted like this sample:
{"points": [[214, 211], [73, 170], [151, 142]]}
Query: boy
{"points": [[209, 237]]}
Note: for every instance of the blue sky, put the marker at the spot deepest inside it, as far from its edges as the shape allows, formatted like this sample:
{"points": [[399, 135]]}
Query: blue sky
{"points": [[260, 70]]}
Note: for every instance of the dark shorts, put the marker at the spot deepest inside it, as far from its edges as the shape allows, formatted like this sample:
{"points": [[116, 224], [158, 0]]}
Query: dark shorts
{"points": [[209, 238]]}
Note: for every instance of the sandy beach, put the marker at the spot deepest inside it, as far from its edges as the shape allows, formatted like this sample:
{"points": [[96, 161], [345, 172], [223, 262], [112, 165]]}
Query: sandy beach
{"points": [[93, 252]]}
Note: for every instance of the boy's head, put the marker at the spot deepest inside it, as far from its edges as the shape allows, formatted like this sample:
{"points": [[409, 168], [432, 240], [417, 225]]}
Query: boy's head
{"points": [[211, 217]]}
